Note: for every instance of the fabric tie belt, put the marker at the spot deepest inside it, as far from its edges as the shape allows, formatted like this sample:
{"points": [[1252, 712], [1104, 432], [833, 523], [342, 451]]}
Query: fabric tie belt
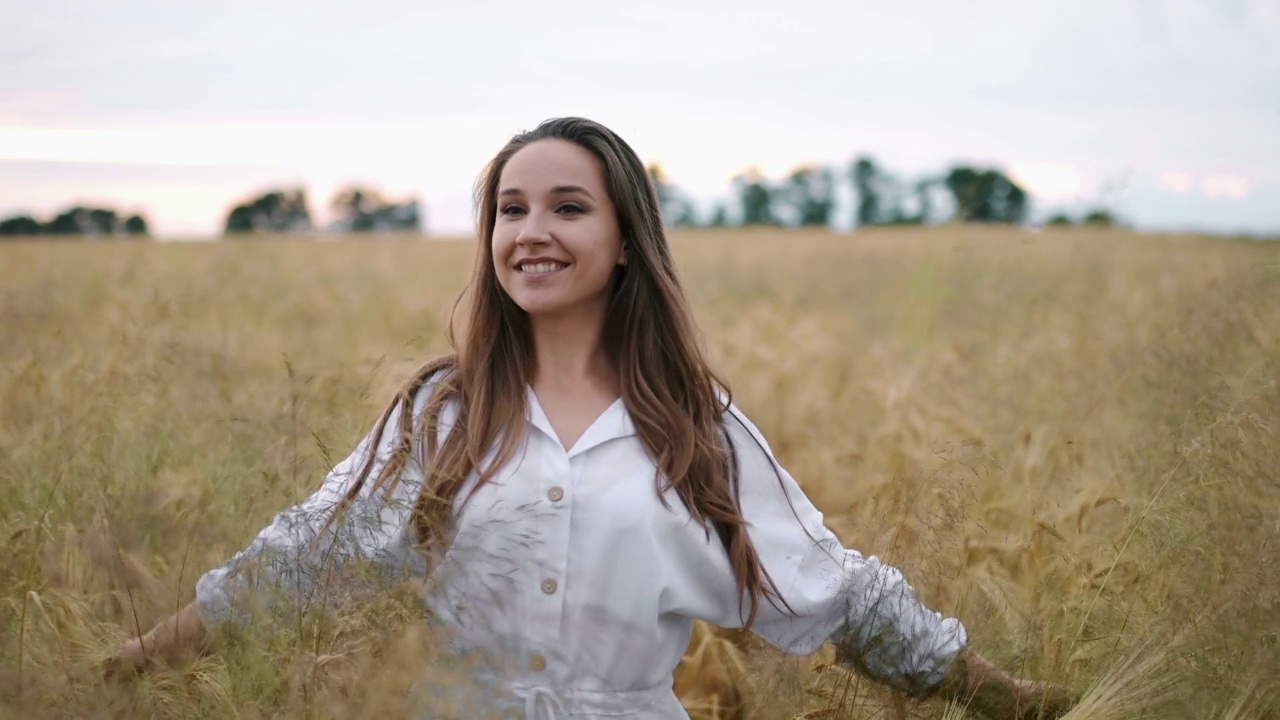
{"points": [[540, 697]]}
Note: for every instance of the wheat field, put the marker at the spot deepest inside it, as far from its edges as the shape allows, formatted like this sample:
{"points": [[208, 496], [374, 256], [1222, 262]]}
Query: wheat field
{"points": [[1067, 438]]}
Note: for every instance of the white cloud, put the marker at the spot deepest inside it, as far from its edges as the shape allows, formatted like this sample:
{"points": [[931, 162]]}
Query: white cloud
{"points": [[1178, 181], [1210, 185], [1229, 186], [1049, 180]]}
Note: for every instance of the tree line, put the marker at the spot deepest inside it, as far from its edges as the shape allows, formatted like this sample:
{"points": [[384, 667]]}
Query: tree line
{"points": [[76, 221], [807, 197], [353, 210]]}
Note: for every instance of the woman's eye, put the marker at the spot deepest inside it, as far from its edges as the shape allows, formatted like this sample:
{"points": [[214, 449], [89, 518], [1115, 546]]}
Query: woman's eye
{"points": [[511, 210], [570, 209]]}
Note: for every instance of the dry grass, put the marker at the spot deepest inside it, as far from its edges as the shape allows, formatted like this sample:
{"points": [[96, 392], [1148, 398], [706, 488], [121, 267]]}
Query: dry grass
{"points": [[1069, 439]]}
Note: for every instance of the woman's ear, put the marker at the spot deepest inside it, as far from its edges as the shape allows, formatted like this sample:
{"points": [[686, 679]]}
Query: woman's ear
{"points": [[622, 255]]}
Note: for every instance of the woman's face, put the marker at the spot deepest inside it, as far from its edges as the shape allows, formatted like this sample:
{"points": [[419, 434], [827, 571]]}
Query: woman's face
{"points": [[556, 242]]}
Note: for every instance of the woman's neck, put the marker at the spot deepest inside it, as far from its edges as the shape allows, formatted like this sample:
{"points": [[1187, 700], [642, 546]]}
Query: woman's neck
{"points": [[570, 355]]}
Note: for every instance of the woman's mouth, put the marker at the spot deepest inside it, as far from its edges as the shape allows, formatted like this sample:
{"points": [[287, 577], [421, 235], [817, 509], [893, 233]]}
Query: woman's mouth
{"points": [[544, 267]]}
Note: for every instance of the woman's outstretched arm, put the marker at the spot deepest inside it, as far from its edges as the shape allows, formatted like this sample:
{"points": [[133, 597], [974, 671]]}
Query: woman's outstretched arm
{"points": [[297, 554], [891, 637], [864, 607]]}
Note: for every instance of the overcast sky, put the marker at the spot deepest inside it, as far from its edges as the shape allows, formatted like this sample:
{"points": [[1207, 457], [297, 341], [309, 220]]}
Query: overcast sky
{"points": [[1167, 109]]}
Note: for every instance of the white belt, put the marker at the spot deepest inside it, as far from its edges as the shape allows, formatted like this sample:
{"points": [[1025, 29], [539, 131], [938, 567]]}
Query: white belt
{"points": [[543, 697], [541, 702]]}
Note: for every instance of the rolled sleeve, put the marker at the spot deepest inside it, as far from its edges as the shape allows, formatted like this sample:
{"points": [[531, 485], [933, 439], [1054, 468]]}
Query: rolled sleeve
{"points": [[888, 634]]}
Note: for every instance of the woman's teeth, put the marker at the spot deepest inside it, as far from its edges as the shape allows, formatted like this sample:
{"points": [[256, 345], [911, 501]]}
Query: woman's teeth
{"points": [[544, 267]]}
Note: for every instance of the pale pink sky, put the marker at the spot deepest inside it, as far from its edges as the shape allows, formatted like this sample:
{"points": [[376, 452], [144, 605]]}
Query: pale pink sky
{"points": [[1164, 108]]}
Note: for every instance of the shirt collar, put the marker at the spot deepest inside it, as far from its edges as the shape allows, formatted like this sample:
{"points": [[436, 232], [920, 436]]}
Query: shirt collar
{"points": [[614, 423]]}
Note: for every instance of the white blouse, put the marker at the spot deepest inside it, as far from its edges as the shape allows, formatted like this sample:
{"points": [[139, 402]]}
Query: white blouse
{"points": [[578, 586]]}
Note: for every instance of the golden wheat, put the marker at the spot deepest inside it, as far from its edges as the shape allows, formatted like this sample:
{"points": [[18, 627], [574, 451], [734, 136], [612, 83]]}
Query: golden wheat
{"points": [[1067, 438]]}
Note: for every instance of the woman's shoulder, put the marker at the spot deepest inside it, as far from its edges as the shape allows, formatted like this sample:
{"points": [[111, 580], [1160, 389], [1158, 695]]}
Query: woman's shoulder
{"points": [[428, 395], [739, 426], [436, 375]]}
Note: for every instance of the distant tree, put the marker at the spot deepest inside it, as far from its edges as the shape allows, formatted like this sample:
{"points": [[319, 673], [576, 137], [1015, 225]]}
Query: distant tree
{"points": [[103, 222], [867, 186], [20, 226], [881, 197], [810, 194], [924, 201], [90, 221], [1100, 218], [677, 208], [239, 220], [135, 225], [985, 196], [719, 216], [78, 220], [74, 221], [363, 210], [275, 211], [756, 197]]}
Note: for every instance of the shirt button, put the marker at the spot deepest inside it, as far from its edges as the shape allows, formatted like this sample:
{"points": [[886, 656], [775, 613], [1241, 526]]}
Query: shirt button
{"points": [[555, 493], [537, 663], [549, 586]]}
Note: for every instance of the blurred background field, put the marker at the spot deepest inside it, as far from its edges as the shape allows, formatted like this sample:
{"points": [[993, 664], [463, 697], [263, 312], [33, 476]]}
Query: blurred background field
{"points": [[1067, 437]]}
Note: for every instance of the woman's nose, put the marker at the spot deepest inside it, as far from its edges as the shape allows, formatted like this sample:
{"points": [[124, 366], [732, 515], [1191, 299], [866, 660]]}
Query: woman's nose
{"points": [[533, 230]]}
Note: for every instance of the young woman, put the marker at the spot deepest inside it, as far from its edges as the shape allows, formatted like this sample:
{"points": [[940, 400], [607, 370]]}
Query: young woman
{"points": [[579, 488]]}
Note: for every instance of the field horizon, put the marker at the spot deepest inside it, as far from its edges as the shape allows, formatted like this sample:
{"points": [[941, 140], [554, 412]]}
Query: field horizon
{"points": [[1067, 438]]}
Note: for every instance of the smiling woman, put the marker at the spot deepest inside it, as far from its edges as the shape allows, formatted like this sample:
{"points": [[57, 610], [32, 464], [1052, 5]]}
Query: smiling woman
{"points": [[556, 242], [578, 487]]}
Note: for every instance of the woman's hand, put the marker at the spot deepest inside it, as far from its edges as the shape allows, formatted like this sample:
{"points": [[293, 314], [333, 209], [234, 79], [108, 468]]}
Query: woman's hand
{"points": [[180, 634], [129, 659], [975, 682]]}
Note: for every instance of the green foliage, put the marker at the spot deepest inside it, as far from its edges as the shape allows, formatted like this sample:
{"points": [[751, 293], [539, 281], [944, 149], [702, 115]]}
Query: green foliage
{"points": [[882, 197], [810, 193], [865, 180], [20, 226], [985, 195], [135, 225], [75, 221], [719, 217], [756, 197], [274, 211], [1100, 218], [1096, 218], [363, 210]]}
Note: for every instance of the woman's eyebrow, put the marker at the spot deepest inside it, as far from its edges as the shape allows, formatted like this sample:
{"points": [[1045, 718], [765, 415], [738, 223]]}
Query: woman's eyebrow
{"points": [[566, 189], [557, 190]]}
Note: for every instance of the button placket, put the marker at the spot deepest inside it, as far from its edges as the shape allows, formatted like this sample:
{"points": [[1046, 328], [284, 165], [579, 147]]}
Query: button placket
{"points": [[548, 599]]}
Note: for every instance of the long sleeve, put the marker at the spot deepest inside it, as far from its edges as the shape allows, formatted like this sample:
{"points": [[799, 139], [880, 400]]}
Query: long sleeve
{"points": [[866, 608], [291, 559]]}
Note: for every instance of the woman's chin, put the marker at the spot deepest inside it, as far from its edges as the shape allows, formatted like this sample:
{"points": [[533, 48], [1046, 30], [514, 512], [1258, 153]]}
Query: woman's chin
{"points": [[541, 309]]}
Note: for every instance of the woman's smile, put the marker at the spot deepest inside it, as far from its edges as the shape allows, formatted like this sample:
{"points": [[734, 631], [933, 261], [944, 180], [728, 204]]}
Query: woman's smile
{"points": [[540, 268]]}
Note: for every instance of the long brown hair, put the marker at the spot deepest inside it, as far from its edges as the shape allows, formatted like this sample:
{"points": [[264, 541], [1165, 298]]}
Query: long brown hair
{"points": [[672, 394]]}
